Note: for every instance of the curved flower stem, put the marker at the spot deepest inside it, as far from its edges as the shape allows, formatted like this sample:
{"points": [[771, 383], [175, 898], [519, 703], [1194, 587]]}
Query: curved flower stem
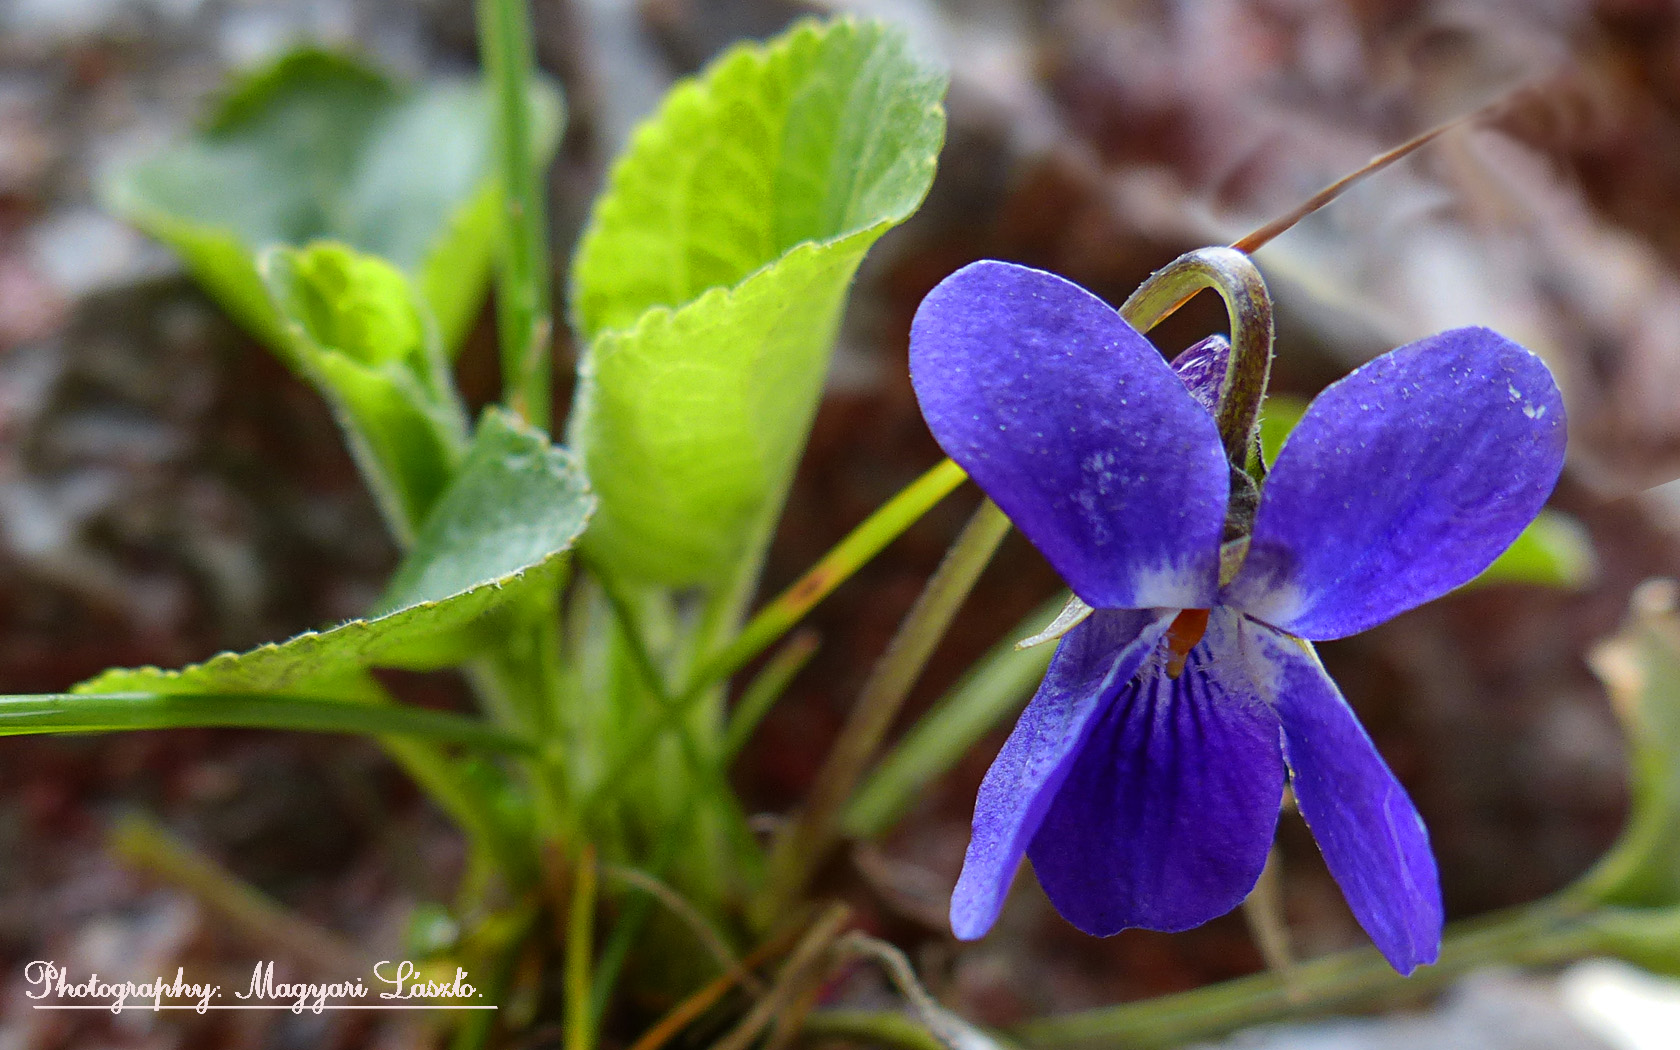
{"points": [[1238, 282], [1547, 931]]}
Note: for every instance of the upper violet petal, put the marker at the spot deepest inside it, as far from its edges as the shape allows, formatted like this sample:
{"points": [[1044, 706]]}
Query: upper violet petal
{"points": [[1092, 662], [1078, 429], [1371, 836], [1201, 368], [1402, 481], [1167, 814]]}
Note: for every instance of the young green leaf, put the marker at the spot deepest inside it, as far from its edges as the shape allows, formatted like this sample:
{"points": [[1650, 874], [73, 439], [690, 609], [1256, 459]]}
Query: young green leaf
{"points": [[501, 529], [353, 328], [712, 276], [319, 146]]}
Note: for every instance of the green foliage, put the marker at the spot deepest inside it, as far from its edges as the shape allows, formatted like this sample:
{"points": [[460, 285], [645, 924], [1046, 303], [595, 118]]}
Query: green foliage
{"points": [[712, 277], [320, 146], [356, 305], [1279, 414], [352, 327], [500, 532], [516, 504], [1554, 551]]}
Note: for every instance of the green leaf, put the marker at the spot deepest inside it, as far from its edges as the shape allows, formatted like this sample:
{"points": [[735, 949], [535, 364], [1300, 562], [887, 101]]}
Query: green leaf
{"points": [[354, 330], [356, 305], [1279, 414], [518, 501], [500, 531], [109, 712], [1554, 551], [320, 146], [712, 277]]}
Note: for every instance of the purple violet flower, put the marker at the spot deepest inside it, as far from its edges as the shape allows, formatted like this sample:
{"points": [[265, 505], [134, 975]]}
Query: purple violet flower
{"points": [[1144, 779]]}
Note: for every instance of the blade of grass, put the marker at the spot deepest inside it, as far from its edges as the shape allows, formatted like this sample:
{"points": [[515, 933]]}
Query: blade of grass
{"points": [[686, 913], [835, 568], [992, 690], [1538, 934], [765, 689], [686, 1012], [791, 979], [802, 847], [1268, 232], [143, 845], [115, 712], [580, 951], [524, 316]]}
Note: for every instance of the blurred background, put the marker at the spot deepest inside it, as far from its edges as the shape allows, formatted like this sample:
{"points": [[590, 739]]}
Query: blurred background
{"points": [[167, 490]]}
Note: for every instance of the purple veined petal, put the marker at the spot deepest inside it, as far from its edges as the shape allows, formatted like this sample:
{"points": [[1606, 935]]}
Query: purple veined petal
{"points": [[1167, 814], [1074, 424], [1403, 480], [1202, 368], [1092, 663], [1371, 836]]}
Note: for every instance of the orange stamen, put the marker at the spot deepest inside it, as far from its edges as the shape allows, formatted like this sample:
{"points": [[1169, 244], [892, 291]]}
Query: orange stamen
{"points": [[1186, 630]]}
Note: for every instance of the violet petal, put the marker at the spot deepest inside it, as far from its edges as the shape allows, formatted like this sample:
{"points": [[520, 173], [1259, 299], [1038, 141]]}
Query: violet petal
{"points": [[1078, 429], [1403, 480], [1201, 368], [1166, 816], [1092, 663], [1371, 836]]}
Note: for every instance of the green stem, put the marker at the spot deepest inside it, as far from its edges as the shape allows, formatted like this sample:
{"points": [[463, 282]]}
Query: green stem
{"points": [[1547, 931], [835, 568], [873, 1028], [634, 916], [519, 683], [524, 316], [495, 947], [471, 809], [765, 689], [580, 950], [1238, 282], [144, 845], [776, 619], [806, 842]]}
